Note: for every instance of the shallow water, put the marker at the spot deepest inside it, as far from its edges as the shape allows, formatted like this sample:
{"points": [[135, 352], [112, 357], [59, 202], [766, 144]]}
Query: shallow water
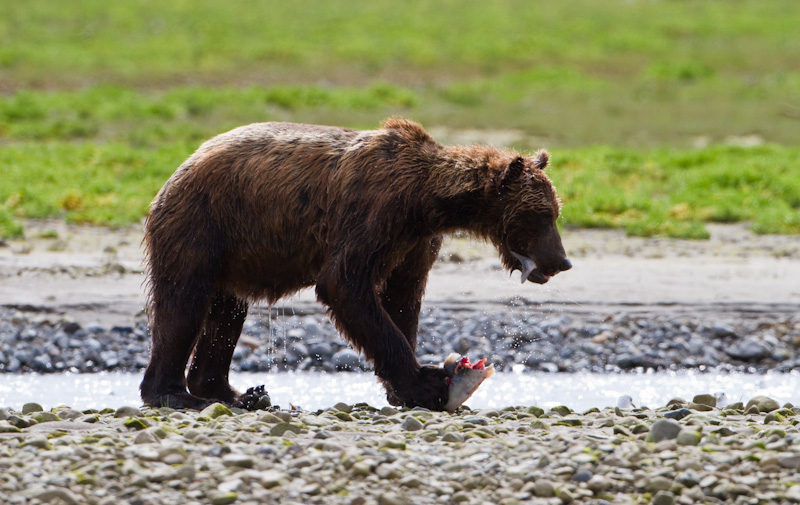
{"points": [[312, 391]]}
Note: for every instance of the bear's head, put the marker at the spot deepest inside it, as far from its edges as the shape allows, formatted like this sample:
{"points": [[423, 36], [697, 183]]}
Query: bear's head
{"points": [[525, 208]]}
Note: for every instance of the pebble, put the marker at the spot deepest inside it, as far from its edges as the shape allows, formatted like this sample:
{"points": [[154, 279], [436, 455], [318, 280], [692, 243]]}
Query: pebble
{"points": [[762, 403], [677, 414], [411, 423], [664, 429], [793, 493], [663, 498], [544, 489], [688, 437]]}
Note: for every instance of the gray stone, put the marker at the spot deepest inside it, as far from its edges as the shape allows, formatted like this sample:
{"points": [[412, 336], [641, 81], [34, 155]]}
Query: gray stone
{"points": [[708, 481], [544, 489], [705, 399], [346, 359], [343, 407], [6, 427], [677, 414], [688, 436], [411, 423], [393, 498], [749, 349], [688, 478], [763, 403], [128, 412], [271, 478], [722, 331], [238, 461], [281, 428], [388, 411], [793, 493], [58, 495], [663, 498], [145, 437], [658, 483], [664, 429], [363, 468], [30, 408], [411, 481], [38, 441], [598, 483], [789, 460], [582, 476]]}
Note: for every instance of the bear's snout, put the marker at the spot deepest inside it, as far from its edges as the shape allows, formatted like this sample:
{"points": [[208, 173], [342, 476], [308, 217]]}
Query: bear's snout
{"points": [[565, 265]]}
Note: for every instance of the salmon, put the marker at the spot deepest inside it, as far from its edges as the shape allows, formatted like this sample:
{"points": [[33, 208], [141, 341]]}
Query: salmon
{"points": [[464, 378]]}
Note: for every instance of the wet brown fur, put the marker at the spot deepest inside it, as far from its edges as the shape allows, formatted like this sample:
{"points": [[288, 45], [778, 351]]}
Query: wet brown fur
{"points": [[267, 209]]}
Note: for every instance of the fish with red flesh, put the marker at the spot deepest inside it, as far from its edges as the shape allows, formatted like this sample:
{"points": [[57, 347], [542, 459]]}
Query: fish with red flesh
{"points": [[464, 378]]}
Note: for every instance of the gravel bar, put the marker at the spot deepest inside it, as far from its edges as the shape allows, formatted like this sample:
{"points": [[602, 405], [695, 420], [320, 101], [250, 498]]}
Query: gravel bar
{"points": [[520, 335], [686, 452]]}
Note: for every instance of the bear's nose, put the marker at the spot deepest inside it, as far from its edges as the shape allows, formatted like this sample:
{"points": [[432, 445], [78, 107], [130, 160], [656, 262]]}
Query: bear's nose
{"points": [[564, 265]]}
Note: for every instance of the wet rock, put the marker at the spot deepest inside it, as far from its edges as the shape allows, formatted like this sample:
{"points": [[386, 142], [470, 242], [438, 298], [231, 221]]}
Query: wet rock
{"points": [[347, 359], [749, 349]]}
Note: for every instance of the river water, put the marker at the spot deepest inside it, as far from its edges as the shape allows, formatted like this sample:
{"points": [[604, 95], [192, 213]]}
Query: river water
{"points": [[312, 390]]}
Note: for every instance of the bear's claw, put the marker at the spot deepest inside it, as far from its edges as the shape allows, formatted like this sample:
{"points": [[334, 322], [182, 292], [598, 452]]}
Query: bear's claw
{"points": [[255, 398]]}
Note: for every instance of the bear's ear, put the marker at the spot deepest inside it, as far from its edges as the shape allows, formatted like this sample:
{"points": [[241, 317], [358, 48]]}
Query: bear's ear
{"points": [[541, 159], [509, 173]]}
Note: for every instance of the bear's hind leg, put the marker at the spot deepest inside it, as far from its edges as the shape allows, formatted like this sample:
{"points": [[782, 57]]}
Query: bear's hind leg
{"points": [[208, 375], [175, 323]]}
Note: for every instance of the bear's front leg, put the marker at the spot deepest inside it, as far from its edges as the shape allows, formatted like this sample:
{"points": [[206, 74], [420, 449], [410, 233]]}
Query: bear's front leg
{"points": [[356, 309], [428, 388]]}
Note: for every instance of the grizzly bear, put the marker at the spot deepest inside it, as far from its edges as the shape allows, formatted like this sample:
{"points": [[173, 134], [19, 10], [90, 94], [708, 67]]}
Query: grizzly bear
{"points": [[265, 210]]}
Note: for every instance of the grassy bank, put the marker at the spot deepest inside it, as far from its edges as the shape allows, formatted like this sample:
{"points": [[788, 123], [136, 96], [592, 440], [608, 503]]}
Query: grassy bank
{"points": [[100, 102], [669, 192]]}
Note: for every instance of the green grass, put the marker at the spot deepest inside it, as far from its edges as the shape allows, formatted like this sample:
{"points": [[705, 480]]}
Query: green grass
{"points": [[665, 192], [100, 101], [613, 72], [669, 192]]}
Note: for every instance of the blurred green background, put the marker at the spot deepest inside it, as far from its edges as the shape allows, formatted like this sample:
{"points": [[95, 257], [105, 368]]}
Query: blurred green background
{"points": [[661, 116]]}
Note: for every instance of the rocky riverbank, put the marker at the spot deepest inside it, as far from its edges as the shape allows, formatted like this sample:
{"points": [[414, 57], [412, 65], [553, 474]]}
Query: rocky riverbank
{"points": [[514, 337], [687, 452]]}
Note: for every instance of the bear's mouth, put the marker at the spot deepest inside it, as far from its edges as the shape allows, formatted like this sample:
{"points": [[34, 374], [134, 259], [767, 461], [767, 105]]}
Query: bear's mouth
{"points": [[528, 270], [538, 277]]}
